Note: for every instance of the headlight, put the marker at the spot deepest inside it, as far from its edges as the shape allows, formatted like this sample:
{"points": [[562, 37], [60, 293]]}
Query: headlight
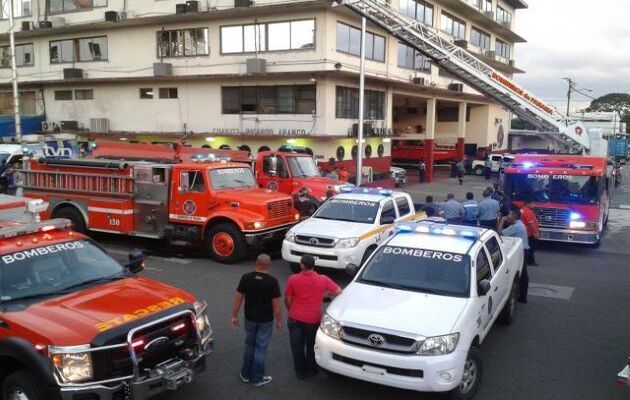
{"points": [[72, 367], [201, 319], [439, 345], [348, 243], [290, 237], [330, 327], [583, 225]]}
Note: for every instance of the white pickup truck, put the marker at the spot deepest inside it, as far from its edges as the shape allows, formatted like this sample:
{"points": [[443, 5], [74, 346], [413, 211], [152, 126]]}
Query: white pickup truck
{"points": [[415, 315], [479, 165], [347, 228]]}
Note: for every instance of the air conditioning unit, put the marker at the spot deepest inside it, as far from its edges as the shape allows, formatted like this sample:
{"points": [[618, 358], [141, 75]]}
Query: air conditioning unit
{"points": [[162, 69], [243, 3], [512, 63], [58, 22], [100, 125], [125, 14], [491, 54], [180, 8], [72, 73], [45, 24], [69, 125], [489, 14], [418, 81], [192, 6], [111, 16], [461, 43], [256, 66], [456, 87], [27, 26]]}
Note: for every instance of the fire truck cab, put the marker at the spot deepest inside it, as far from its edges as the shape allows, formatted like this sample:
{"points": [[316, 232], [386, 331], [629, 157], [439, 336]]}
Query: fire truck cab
{"points": [[569, 194], [211, 202]]}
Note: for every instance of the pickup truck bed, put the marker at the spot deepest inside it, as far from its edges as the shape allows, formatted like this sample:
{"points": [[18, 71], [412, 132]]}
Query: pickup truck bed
{"points": [[511, 245]]}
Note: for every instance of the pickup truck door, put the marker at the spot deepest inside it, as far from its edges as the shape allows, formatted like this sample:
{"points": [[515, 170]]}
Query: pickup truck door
{"points": [[485, 304], [387, 213], [500, 269]]}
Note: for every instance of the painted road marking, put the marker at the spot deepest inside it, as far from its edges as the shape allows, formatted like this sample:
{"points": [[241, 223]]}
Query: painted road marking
{"points": [[551, 291], [624, 206]]}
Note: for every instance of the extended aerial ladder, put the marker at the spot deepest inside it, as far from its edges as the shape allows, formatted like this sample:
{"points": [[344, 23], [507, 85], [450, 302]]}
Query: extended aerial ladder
{"points": [[472, 71]]}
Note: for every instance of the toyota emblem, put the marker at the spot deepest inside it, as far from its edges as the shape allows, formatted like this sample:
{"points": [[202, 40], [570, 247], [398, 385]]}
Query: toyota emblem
{"points": [[313, 241], [376, 340]]}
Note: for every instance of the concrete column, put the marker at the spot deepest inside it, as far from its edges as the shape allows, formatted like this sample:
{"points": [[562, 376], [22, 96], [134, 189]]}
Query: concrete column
{"points": [[461, 130], [429, 141]]}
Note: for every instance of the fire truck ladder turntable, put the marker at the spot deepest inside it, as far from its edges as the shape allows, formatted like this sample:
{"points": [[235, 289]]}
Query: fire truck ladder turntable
{"points": [[470, 70]]}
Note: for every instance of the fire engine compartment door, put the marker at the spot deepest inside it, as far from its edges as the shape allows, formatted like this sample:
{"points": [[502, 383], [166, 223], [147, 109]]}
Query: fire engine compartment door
{"points": [[151, 199]]}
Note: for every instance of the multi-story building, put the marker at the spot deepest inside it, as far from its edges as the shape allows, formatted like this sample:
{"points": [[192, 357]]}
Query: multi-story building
{"points": [[254, 75]]}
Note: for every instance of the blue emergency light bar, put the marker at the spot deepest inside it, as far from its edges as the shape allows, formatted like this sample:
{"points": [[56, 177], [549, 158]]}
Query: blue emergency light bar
{"points": [[438, 229], [201, 157], [359, 190]]}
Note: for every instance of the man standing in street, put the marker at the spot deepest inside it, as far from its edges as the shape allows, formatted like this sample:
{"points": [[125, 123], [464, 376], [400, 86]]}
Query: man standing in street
{"points": [[453, 210], [488, 211], [261, 293], [304, 295], [487, 168], [431, 209], [517, 229], [422, 171], [533, 232], [461, 170], [471, 208]]}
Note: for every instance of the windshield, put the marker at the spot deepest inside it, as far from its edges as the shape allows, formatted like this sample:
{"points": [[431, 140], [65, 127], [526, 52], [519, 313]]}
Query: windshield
{"points": [[4, 157], [419, 270], [348, 210], [54, 269], [302, 167], [554, 188], [232, 178]]}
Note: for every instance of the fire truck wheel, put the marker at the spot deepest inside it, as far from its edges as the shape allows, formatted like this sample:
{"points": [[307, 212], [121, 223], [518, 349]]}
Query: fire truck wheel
{"points": [[226, 243], [22, 385], [74, 216]]}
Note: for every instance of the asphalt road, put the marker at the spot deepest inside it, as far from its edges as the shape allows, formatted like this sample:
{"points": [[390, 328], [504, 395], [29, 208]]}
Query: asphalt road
{"points": [[568, 342]]}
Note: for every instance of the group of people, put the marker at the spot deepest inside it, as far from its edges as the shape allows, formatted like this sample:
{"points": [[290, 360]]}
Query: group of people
{"points": [[458, 170], [261, 295], [8, 178], [336, 172]]}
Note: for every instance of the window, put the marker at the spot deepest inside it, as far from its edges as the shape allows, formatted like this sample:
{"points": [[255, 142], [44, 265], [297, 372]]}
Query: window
{"points": [[349, 41], [232, 178], [503, 16], [495, 253], [84, 94], [192, 181], [483, 266], [75, 50], [63, 94], [168, 93], [485, 5], [63, 6], [480, 39], [21, 8], [410, 58], [347, 104], [403, 206], [453, 26], [417, 9], [272, 36], [24, 55], [183, 43], [299, 99], [503, 49], [28, 104], [146, 93], [388, 212]]}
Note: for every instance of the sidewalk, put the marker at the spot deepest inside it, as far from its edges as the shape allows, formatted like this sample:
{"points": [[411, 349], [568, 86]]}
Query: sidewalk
{"points": [[443, 184]]}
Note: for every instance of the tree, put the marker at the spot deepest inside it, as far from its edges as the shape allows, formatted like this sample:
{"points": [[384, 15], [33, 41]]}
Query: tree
{"points": [[613, 102]]}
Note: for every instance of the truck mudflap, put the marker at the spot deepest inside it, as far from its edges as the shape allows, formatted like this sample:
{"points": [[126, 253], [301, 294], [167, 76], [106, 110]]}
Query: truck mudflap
{"points": [[256, 238]]}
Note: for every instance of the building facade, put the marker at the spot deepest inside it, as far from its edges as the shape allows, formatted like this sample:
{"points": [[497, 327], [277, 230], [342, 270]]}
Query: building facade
{"points": [[254, 76]]}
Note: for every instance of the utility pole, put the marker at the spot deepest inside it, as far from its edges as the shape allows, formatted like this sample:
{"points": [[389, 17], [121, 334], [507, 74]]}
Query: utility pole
{"points": [[361, 104], [16, 93], [572, 84]]}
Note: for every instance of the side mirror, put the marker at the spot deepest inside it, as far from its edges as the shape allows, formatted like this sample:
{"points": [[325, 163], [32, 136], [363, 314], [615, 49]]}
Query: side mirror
{"points": [[136, 261], [273, 166], [483, 287], [352, 270], [387, 220]]}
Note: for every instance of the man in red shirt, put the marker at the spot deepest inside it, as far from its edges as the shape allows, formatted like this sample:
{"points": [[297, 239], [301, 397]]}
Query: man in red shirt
{"points": [[304, 296], [533, 232]]}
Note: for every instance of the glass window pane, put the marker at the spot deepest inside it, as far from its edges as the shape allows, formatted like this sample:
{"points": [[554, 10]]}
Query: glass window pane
{"points": [[303, 34], [69, 5], [266, 100], [306, 100], [249, 100], [100, 3], [379, 48], [355, 42], [230, 100], [343, 38], [232, 39], [428, 15], [279, 36], [254, 38], [402, 55], [446, 24], [83, 4], [286, 99], [93, 49], [56, 6], [369, 46]]}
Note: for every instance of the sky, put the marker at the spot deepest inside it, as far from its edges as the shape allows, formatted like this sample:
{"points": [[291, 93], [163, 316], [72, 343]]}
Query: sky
{"points": [[586, 40]]}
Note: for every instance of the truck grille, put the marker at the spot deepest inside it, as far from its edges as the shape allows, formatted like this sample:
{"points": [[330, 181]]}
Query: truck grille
{"points": [[392, 342], [279, 209], [315, 241], [552, 217]]}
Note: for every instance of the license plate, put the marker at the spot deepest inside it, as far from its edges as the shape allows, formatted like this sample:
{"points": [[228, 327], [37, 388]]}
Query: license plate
{"points": [[374, 370]]}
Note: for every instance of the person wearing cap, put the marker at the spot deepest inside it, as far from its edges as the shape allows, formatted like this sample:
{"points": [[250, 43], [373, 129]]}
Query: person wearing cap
{"points": [[472, 210], [488, 210], [431, 209], [303, 296], [516, 228], [305, 203], [453, 210]]}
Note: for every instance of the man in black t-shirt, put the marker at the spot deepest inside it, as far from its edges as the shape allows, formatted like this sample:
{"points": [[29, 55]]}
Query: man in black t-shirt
{"points": [[261, 293]]}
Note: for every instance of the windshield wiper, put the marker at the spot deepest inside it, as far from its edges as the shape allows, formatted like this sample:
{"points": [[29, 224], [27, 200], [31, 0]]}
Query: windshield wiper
{"points": [[384, 284], [70, 289]]}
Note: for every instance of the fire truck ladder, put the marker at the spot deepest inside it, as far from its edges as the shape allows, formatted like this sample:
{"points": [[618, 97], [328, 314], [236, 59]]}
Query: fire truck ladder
{"points": [[467, 68], [78, 182]]}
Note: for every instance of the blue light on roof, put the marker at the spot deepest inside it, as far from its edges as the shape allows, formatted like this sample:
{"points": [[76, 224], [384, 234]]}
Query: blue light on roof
{"points": [[346, 189], [575, 216], [431, 228], [404, 228], [364, 190], [528, 165]]}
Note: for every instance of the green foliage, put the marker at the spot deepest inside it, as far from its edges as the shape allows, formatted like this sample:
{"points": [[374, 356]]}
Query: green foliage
{"points": [[613, 102]]}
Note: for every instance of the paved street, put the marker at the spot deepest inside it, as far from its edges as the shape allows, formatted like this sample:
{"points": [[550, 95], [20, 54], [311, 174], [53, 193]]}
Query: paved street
{"points": [[568, 342]]}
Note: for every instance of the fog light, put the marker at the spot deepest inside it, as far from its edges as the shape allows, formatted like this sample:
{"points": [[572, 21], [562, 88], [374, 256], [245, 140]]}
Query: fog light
{"points": [[445, 376]]}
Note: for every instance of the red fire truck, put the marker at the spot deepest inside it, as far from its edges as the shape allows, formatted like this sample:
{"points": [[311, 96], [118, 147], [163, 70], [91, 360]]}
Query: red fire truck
{"points": [[410, 152], [211, 202], [569, 194]]}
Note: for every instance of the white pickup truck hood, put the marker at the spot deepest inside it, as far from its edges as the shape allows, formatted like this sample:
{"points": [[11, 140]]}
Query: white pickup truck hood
{"points": [[399, 310], [331, 228]]}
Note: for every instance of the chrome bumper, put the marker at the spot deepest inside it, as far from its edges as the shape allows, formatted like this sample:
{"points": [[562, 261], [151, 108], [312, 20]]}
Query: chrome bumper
{"points": [[569, 236], [260, 237]]}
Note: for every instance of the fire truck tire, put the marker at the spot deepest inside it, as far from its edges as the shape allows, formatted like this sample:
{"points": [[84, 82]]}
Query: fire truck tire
{"points": [[226, 243], [74, 216], [23, 385]]}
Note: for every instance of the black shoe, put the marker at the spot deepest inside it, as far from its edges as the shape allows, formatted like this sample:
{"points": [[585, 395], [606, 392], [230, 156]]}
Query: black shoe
{"points": [[534, 264]]}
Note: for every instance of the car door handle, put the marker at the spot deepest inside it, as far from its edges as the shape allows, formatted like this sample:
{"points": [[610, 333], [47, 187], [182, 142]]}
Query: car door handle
{"points": [[496, 289], [507, 271]]}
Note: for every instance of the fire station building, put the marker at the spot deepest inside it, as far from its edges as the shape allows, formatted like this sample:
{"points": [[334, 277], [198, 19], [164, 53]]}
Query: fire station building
{"points": [[255, 75]]}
